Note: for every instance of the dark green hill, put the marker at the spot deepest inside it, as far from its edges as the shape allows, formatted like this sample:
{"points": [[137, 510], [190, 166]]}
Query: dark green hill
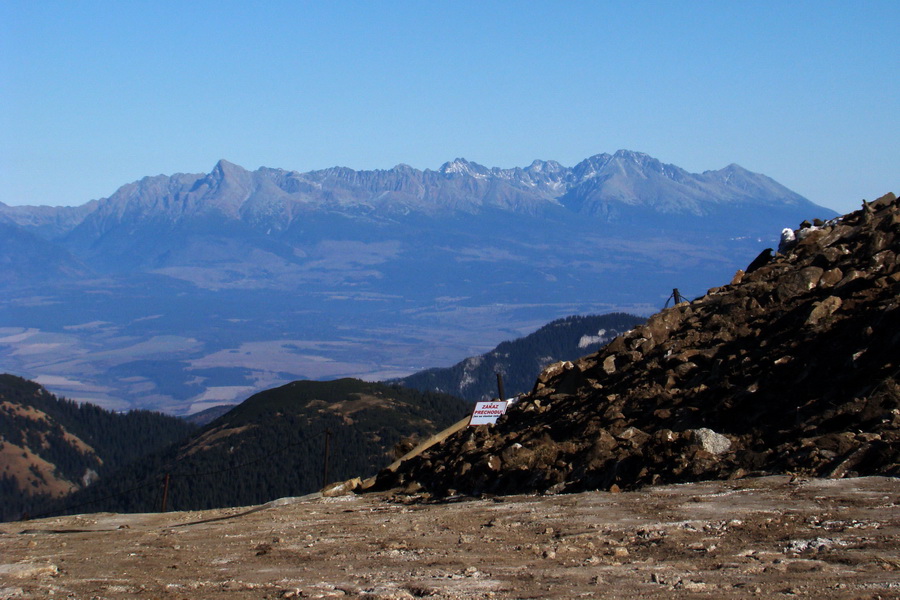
{"points": [[273, 445], [51, 447], [521, 361]]}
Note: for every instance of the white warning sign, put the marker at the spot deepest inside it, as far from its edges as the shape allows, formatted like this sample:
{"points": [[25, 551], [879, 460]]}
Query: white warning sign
{"points": [[487, 413]]}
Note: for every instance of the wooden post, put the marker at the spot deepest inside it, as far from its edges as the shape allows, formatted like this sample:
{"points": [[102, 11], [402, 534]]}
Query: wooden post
{"points": [[500, 387], [676, 296], [325, 466], [165, 497]]}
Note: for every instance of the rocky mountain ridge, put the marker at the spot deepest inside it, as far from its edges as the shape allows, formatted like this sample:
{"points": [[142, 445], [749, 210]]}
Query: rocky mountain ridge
{"points": [[792, 367], [276, 198]]}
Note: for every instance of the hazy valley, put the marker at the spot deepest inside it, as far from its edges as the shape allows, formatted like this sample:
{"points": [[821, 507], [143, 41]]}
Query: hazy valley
{"points": [[186, 291]]}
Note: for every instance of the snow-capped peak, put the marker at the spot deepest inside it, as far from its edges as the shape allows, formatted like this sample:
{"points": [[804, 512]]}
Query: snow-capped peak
{"points": [[457, 165]]}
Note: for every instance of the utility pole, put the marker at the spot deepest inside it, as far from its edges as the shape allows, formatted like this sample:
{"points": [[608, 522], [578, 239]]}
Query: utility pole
{"points": [[325, 466], [165, 497], [676, 298]]}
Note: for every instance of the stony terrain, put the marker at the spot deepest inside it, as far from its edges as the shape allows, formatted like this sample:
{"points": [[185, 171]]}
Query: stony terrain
{"points": [[773, 537], [792, 368]]}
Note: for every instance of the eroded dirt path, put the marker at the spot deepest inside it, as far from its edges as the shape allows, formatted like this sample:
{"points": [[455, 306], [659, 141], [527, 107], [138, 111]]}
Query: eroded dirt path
{"points": [[767, 538]]}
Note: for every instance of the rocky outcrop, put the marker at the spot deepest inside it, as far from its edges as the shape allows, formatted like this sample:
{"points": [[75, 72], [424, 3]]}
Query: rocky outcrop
{"points": [[791, 368]]}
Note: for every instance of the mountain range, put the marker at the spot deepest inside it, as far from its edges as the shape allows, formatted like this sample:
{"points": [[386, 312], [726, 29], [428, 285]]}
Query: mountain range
{"points": [[186, 291]]}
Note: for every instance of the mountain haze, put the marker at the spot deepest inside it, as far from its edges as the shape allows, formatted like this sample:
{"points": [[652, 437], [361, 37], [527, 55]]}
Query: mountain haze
{"points": [[185, 291]]}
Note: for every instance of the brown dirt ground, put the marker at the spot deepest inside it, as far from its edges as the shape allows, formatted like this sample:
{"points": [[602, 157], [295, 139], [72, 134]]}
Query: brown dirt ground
{"points": [[770, 537]]}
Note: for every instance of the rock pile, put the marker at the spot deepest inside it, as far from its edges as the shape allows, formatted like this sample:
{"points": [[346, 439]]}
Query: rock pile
{"points": [[791, 368]]}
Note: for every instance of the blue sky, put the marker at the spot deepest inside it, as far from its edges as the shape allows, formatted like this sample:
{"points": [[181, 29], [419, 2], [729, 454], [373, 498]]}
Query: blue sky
{"points": [[98, 94]]}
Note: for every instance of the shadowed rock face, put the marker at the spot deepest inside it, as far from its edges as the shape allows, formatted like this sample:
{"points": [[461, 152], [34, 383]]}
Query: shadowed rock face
{"points": [[790, 368]]}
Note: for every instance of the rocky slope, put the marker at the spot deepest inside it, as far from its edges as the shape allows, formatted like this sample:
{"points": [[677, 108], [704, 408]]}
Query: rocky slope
{"points": [[790, 368]]}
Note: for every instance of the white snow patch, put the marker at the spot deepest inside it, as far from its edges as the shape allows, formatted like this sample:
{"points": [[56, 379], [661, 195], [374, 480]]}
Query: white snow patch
{"points": [[588, 340], [472, 363]]}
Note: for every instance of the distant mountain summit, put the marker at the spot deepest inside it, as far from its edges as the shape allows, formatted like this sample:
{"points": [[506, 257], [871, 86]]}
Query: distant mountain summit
{"points": [[275, 197], [184, 291], [148, 222], [626, 184]]}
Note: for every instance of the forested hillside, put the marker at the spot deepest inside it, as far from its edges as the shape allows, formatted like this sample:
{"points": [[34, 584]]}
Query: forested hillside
{"points": [[521, 361], [273, 445], [51, 447]]}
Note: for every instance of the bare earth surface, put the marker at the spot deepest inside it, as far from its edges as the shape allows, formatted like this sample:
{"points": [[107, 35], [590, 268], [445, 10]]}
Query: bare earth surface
{"points": [[768, 538]]}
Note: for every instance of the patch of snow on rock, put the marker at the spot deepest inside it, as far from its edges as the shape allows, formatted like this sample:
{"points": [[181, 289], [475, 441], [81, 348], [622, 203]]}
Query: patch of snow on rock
{"points": [[587, 340]]}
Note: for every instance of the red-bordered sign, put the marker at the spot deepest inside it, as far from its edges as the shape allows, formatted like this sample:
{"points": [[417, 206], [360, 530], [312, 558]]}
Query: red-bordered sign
{"points": [[487, 413]]}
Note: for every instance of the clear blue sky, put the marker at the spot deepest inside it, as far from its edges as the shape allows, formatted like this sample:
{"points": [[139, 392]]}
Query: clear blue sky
{"points": [[98, 94]]}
